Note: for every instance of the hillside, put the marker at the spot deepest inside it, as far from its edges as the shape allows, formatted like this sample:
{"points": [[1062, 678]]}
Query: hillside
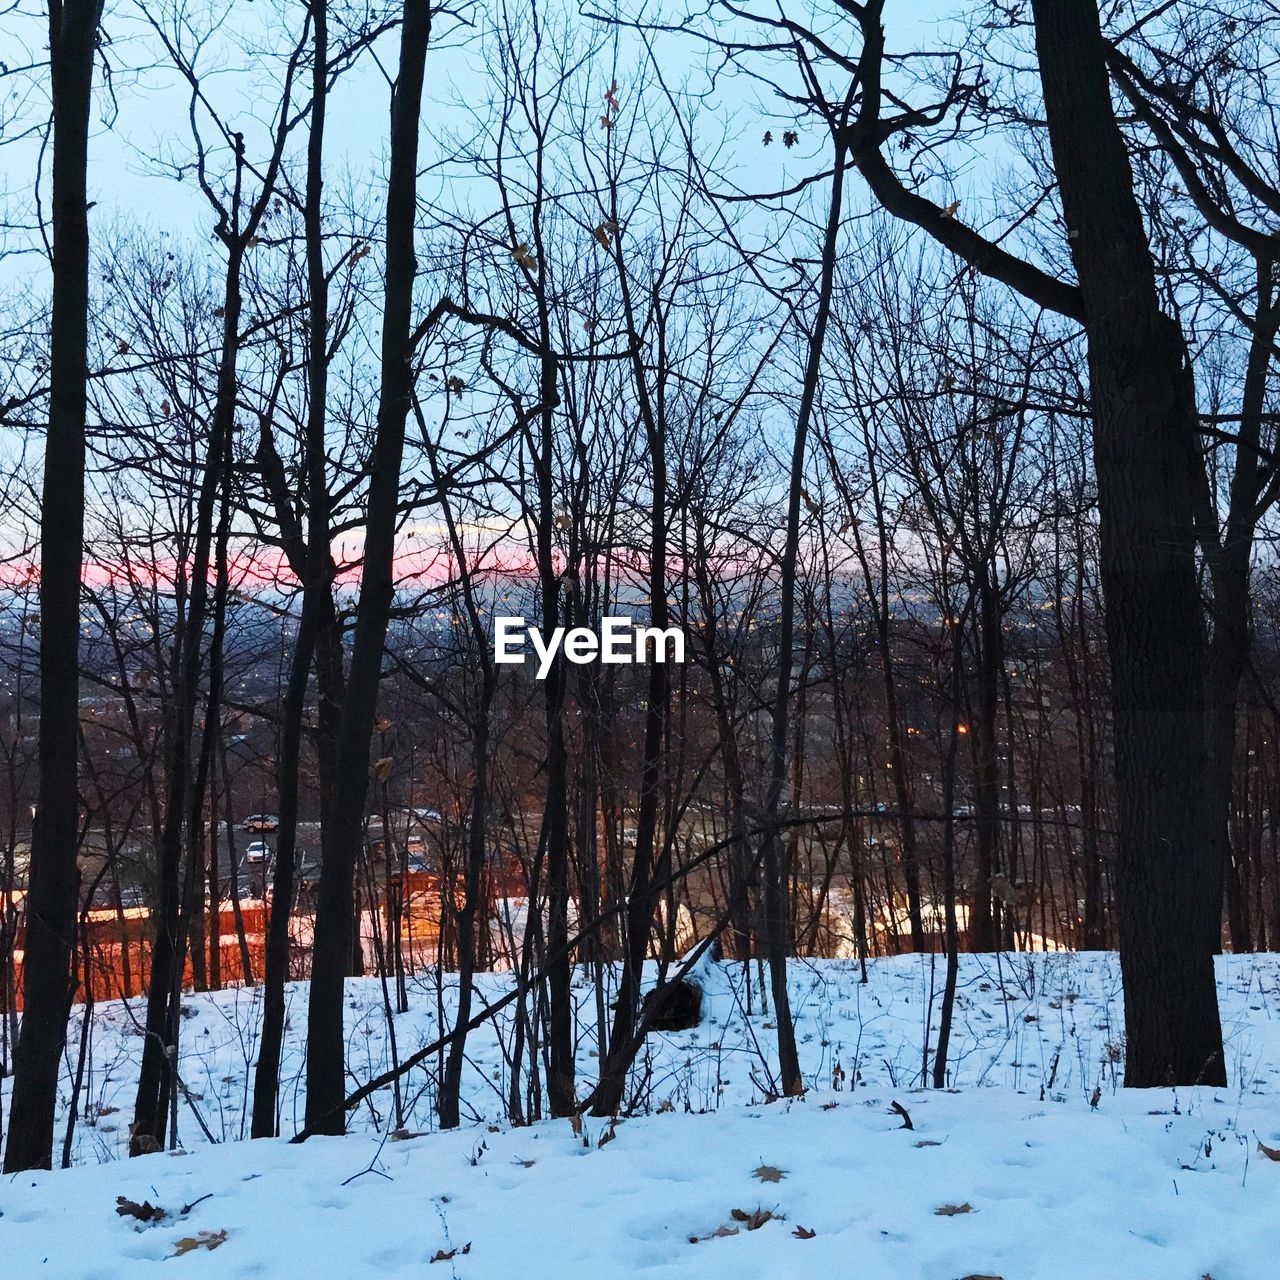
{"points": [[1017, 1171]]}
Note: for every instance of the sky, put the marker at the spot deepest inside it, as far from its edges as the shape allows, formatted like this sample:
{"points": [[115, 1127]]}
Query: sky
{"points": [[141, 125]]}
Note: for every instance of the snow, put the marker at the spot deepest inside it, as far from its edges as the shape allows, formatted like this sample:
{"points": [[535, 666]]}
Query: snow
{"points": [[1150, 1185]]}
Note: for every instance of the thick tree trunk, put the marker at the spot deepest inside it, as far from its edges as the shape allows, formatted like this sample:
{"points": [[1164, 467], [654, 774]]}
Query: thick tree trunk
{"points": [[331, 953], [1145, 457], [54, 882]]}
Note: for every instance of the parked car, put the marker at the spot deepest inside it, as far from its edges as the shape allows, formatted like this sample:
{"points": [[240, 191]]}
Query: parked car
{"points": [[257, 853], [260, 822]]}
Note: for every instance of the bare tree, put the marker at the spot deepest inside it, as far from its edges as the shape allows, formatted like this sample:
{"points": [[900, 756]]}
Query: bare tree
{"points": [[54, 886]]}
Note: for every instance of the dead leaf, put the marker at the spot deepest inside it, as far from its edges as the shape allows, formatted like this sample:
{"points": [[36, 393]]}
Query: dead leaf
{"points": [[444, 1255], [803, 1233], [602, 236], [611, 95], [928, 1142], [403, 1135], [950, 210], [1272, 1153], [790, 138], [382, 768], [951, 1210], [768, 136], [768, 1173], [605, 122], [1097, 1096], [144, 1212], [522, 255], [753, 1218], [201, 1240]]}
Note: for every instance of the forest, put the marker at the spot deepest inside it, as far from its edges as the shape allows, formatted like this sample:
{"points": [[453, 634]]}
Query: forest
{"points": [[912, 367]]}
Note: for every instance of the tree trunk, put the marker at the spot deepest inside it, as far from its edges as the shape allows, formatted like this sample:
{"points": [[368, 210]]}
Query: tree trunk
{"points": [[316, 594], [334, 921], [775, 914], [1145, 457], [54, 883]]}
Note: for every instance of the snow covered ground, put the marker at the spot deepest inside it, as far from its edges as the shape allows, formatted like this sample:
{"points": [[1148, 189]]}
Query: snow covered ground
{"points": [[1012, 1173]]}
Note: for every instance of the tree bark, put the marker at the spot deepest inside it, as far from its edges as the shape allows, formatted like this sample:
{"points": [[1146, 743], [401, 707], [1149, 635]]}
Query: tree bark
{"points": [[1145, 458], [316, 594], [54, 882], [331, 951]]}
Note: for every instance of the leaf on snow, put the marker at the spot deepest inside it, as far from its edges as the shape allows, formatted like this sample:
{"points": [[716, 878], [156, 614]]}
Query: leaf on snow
{"points": [[201, 1240], [444, 1255], [804, 1233], [144, 1212], [1272, 1153], [768, 1173], [753, 1218], [951, 1210]]}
